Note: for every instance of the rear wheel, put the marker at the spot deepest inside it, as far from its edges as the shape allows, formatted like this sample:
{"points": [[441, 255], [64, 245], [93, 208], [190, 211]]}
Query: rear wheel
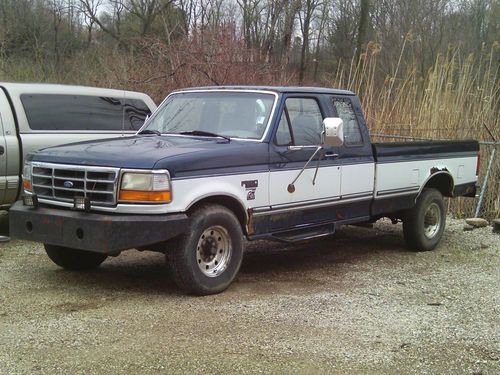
{"points": [[74, 259], [206, 259], [423, 225]]}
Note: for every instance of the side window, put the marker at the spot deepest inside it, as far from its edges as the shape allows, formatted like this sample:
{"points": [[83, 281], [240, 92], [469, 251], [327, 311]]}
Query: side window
{"points": [[300, 124], [352, 134], [135, 112], [83, 112], [283, 136]]}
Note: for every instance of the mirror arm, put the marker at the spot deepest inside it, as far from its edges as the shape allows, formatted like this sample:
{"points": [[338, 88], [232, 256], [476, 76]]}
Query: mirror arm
{"points": [[317, 165], [291, 186]]}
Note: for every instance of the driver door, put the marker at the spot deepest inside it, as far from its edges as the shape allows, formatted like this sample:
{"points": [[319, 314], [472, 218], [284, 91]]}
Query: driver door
{"points": [[308, 201]]}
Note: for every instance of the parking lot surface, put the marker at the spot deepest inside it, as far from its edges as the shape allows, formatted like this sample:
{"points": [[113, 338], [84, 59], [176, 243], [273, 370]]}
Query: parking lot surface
{"points": [[356, 303]]}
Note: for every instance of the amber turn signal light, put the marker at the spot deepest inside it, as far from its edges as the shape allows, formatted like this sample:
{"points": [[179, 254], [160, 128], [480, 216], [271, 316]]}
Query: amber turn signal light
{"points": [[27, 184], [145, 196]]}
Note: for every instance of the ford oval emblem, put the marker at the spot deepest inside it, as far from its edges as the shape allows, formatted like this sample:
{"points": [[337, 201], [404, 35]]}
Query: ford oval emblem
{"points": [[68, 184]]}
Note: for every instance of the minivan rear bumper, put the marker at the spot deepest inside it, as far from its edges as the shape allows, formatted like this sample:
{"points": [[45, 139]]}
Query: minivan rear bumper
{"points": [[107, 234]]}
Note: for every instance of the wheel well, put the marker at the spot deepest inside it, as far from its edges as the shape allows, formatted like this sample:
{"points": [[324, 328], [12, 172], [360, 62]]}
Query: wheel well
{"points": [[441, 181], [229, 202]]}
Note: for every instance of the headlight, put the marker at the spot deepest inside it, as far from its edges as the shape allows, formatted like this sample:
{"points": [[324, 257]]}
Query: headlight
{"points": [[146, 187], [145, 181], [27, 177]]}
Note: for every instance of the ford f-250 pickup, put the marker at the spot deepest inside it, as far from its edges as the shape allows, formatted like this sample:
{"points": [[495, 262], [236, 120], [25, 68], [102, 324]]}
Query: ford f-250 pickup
{"points": [[215, 166]]}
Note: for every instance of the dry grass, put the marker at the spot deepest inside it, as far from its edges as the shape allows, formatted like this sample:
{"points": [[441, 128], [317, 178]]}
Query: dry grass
{"points": [[458, 98]]}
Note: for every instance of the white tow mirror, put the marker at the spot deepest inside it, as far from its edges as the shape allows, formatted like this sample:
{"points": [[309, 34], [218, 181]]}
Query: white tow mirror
{"points": [[333, 133]]}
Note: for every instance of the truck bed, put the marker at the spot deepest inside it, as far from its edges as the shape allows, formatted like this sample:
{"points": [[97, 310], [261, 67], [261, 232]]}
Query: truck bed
{"points": [[386, 151], [403, 168]]}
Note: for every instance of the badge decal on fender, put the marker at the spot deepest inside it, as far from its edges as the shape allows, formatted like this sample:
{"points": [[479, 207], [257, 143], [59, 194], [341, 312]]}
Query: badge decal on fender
{"points": [[250, 186]]}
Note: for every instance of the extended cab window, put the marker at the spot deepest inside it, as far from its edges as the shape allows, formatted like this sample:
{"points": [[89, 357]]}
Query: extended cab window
{"points": [[300, 123], [352, 134], [83, 112]]}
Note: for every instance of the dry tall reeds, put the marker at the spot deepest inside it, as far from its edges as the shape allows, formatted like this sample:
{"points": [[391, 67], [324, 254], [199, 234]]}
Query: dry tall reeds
{"points": [[459, 98]]}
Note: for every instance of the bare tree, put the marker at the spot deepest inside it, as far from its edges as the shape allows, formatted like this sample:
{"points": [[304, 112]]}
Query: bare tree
{"points": [[250, 10], [57, 9], [306, 17], [275, 10], [91, 9], [323, 16], [362, 27], [146, 11], [292, 8]]}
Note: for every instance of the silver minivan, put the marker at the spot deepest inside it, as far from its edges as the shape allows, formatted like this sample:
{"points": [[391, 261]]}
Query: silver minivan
{"points": [[34, 116]]}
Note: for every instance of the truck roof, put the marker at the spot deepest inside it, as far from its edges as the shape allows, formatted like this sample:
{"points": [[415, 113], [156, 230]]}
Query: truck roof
{"points": [[277, 89], [51, 88]]}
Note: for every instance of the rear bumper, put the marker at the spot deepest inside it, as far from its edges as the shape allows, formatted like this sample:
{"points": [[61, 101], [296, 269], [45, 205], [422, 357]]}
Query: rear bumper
{"points": [[465, 190], [95, 232]]}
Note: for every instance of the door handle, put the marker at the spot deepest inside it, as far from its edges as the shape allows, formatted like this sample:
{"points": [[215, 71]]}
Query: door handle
{"points": [[2, 150], [331, 155]]}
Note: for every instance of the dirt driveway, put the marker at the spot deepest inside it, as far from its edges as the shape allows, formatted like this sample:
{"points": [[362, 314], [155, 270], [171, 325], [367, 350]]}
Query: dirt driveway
{"points": [[354, 304]]}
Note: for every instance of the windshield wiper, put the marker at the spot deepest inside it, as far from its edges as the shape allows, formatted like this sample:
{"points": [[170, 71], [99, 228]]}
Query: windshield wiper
{"points": [[149, 131], [203, 133]]}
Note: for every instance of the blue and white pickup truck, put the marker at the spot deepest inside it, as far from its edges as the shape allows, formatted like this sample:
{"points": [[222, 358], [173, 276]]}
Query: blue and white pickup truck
{"points": [[216, 166]]}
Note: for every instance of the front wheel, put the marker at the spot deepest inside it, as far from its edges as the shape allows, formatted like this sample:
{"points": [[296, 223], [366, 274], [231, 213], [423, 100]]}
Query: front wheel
{"points": [[423, 225], [74, 259], [206, 259]]}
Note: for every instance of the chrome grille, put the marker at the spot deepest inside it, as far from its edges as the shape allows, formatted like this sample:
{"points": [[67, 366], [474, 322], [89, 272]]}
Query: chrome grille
{"points": [[64, 183]]}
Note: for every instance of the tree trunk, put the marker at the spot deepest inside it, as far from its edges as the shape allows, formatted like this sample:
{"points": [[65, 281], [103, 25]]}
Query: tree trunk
{"points": [[291, 11], [362, 27], [308, 16], [305, 47], [318, 42]]}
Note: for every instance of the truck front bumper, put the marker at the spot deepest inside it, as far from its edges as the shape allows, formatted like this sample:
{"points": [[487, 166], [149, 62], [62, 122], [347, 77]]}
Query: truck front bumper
{"points": [[101, 233]]}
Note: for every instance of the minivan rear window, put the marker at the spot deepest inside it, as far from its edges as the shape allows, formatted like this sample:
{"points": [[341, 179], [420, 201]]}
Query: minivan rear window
{"points": [[83, 112]]}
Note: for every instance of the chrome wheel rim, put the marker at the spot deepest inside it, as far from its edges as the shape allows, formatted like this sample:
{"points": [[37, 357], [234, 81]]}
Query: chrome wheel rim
{"points": [[213, 251], [432, 221]]}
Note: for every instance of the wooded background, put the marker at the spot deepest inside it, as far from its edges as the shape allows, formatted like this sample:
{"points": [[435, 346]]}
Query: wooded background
{"points": [[423, 68]]}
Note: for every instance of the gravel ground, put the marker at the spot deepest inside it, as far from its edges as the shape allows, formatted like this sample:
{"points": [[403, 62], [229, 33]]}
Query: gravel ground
{"points": [[357, 303]]}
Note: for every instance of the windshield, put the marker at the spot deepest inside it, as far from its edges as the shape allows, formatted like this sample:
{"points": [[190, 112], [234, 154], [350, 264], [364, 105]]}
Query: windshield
{"points": [[230, 114]]}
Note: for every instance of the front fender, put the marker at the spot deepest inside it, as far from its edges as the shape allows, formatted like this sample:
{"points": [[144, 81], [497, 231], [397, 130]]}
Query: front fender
{"points": [[187, 192]]}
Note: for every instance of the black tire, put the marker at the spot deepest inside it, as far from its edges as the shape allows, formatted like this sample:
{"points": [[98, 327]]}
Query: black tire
{"points": [[423, 225], [74, 259], [206, 259]]}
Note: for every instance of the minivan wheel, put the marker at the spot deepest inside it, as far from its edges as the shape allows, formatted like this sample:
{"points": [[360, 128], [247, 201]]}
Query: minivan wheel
{"points": [[74, 259]]}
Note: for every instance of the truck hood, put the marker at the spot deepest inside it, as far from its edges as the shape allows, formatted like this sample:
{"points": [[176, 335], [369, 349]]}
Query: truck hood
{"points": [[178, 154]]}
